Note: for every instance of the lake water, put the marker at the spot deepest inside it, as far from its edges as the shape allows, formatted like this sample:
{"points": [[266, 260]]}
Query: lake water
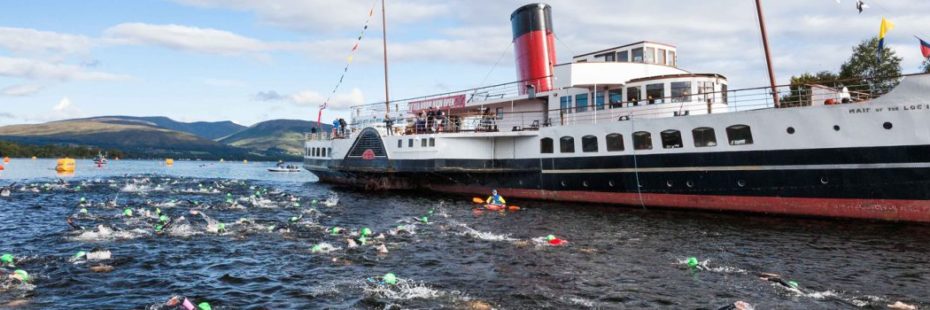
{"points": [[277, 250]]}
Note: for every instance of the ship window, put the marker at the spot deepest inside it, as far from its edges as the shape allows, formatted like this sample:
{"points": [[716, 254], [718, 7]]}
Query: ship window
{"points": [[307, 151], [599, 100], [650, 56], [681, 91], [672, 61], [567, 144], [566, 104], [739, 135], [642, 140], [632, 95], [499, 113], [400, 143], [623, 56], [423, 142], [614, 142], [432, 141], [704, 137], [581, 102], [316, 152], [610, 57], [661, 56], [638, 54], [324, 152], [330, 152], [615, 97], [655, 93], [671, 139], [545, 145], [723, 93], [589, 144], [409, 142]]}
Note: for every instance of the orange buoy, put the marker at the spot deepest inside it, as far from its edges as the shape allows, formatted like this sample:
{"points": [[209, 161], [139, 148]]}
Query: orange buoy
{"points": [[6, 160], [65, 165], [1, 168], [169, 161]]}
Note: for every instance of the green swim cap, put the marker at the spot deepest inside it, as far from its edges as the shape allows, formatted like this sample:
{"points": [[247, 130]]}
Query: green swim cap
{"points": [[793, 284], [84, 210], [228, 194], [22, 274], [83, 199], [7, 258], [336, 230], [313, 201], [550, 237], [366, 231], [220, 227], [316, 248], [424, 219], [77, 188], [389, 278], [297, 204], [163, 218], [294, 219], [159, 227], [204, 306], [80, 254], [127, 212], [692, 262]]}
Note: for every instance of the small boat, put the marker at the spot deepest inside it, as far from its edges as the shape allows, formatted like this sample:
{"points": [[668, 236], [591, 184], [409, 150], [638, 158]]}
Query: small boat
{"points": [[285, 168], [100, 159], [501, 207]]}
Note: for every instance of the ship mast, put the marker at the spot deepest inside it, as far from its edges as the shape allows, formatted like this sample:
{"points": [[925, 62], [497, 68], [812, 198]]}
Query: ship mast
{"points": [[768, 54], [387, 97]]}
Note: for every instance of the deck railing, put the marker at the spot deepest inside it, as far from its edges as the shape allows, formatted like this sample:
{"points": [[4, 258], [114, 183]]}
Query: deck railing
{"points": [[857, 91]]}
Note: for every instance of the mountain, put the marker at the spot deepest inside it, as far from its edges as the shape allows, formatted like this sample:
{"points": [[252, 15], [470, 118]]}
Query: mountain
{"points": [[208, 130], [274, 137], [137, 139]]}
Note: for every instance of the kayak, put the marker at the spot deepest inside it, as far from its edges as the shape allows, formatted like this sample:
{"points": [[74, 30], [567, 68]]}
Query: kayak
{"points": [[284, 169], [501, 207]]}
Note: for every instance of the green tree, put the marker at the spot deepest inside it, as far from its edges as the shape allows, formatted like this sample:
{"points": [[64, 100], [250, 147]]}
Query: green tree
{"points": [[866, 72], [800, 87]]}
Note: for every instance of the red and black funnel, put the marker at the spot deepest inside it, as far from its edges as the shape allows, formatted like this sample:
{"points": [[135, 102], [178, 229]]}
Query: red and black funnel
{"points": [[534, 46]]}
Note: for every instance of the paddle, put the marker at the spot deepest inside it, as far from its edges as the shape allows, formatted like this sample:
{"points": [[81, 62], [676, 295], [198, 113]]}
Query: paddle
{"points": [[477, 200]]}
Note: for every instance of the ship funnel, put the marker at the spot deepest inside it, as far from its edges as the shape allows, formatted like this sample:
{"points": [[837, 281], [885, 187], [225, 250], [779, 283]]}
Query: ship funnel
{"points": [[534, 46]]}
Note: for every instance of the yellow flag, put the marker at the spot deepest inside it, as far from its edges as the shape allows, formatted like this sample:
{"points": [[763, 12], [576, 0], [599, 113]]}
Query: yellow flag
{"points": [[886, 27]]}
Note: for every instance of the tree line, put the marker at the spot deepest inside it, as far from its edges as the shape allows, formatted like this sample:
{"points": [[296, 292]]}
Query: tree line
{"points": [[864, 72], [11, 149]]}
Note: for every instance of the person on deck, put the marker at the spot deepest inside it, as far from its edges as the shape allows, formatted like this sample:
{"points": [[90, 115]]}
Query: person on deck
{"points": [[388, 125], [496, 199], [336, 127]]}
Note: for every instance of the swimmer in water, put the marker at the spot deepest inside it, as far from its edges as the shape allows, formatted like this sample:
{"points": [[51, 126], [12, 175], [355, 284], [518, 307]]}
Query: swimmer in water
{"points": [[777, 279], [738, 305], [7, 191], [72, 225], [182, 303]]}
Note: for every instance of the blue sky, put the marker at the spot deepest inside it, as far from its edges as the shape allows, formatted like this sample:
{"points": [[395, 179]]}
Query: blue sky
{"points": [[210, 60]]}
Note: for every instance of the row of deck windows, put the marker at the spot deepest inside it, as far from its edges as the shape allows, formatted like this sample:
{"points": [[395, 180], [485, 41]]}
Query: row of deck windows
{"points": [[655, 94], [431, 142], [318, 151], [642, 140]]}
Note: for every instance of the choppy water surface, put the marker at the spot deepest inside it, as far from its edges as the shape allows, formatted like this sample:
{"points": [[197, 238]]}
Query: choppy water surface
{"points": [[277, 250]]}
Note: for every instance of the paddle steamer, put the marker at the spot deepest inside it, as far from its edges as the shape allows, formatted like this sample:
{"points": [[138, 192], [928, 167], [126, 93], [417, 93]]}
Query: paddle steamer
{"points": [[625, 125]]}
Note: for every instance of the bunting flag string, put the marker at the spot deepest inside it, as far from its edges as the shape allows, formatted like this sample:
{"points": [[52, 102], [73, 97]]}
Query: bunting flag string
{"points": [[349, 60]]}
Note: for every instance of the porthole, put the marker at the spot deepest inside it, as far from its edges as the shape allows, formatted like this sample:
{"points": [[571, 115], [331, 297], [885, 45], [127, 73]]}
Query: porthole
{"points": [[887, 125], [669, 183], [584, 183], [836, 127], [689, 183], [564, 184], [611, 183], [741, 183], [824, 180], [790, 130]]}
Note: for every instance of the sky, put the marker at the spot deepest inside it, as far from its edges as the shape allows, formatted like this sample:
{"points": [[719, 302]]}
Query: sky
{"points": [[249, 61]]}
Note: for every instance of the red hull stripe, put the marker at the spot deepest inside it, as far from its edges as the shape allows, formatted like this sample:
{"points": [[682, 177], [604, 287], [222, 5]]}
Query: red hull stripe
{"points": [[880, 209]]}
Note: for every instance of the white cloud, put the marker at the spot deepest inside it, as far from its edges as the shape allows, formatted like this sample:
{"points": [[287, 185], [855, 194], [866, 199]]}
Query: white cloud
{"points": [[37, 69], [316, 15], [21, 90], [65, 110], [194, 39], [32, 41]]}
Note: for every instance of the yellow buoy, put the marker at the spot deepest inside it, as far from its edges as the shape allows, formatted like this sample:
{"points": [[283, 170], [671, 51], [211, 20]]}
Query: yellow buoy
{"points": [[33, 158], [65, 165], [169, 161], [245, 161], [6, 160], [221, 160]]}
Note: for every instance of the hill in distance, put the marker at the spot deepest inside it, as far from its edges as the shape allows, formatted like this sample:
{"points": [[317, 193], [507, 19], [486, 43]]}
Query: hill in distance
{"points": [[274, 137], [208, 130]]}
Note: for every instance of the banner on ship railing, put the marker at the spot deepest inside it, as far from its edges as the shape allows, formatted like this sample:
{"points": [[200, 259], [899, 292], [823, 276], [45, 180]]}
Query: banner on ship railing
{"points": [[349, 59], [457, 101]]}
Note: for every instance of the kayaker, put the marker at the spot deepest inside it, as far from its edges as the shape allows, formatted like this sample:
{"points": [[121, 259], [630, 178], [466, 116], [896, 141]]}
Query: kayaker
{"points": [[495, 199]]}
